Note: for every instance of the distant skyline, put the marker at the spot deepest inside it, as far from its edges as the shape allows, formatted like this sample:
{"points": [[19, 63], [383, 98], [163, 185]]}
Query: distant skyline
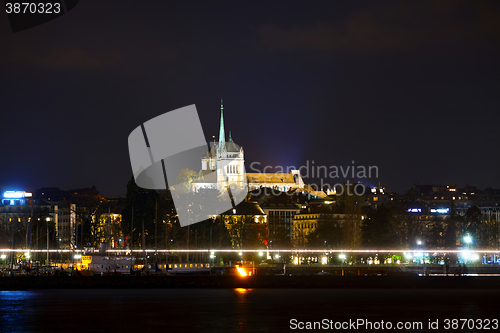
{"points": [[410, 87]]}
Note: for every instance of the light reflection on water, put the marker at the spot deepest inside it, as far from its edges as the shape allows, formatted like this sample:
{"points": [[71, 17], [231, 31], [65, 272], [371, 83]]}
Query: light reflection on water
{"points": [[13, 310], [227, 310], [241, 315]]}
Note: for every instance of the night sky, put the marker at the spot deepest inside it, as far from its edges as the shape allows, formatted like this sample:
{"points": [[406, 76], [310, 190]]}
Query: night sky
{"points": [[411, 87]]}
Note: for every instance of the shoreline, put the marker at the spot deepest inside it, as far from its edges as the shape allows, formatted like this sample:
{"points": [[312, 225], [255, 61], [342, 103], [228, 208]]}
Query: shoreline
{"points": [[264, 281]]}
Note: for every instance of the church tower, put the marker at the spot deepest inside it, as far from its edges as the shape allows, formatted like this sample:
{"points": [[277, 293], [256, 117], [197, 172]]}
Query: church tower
{"points": [[225, 160], [222, 150], [230, 163]]}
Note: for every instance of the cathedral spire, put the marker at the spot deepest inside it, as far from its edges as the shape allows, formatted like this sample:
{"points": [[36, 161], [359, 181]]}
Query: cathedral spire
{"points": [[222, 134]]}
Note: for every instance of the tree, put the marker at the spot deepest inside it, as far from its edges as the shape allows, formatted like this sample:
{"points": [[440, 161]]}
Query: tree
{"points": [[141, 202], [184, 180], [328, 233], [473, 225], [252, 235], [452, 230], [379, 229], [88, 202], [350, 204], [436, 232], [409, 226]]}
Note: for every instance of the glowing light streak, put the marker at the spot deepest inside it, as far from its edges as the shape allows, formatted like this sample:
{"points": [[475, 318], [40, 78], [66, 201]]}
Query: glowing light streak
{"points": [[96, 251], [241, 271], [440, 210], [16, 194]]}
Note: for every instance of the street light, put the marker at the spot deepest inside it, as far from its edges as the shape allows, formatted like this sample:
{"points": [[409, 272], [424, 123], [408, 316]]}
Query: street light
{"points": [[47, 219], [342, 257], [465, 255], [468, 241]]}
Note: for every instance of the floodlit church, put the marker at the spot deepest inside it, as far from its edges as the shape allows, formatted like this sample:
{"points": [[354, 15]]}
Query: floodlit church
{"points": [[224, 166]]}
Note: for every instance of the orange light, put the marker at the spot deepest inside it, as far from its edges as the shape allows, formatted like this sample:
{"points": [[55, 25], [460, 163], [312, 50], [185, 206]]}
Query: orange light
{"points": [[241, 290], [241, 271]]}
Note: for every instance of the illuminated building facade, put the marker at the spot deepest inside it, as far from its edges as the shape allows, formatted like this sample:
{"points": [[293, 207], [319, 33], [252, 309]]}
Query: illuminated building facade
{"points": [[107, 229], [16, 198], [224, 167], [306, 223], [15, 217], [65, 221], [283, 182]]}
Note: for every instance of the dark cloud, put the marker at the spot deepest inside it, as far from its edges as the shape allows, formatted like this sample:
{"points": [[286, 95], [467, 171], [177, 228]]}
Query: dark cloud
{"points": [[406, 26], [411, 87], [63, 58]]}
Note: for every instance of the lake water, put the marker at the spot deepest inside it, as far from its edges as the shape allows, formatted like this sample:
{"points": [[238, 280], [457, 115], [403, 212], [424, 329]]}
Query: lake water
{"points": [[231, 310]]}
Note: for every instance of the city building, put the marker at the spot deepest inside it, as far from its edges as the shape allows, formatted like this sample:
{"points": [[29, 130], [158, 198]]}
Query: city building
{"points": [[223, 167], [246, 224], [306, 223]]}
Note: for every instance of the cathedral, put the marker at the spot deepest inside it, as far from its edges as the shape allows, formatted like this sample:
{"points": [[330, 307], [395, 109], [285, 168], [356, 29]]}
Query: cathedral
{"points": [[223, 167]]}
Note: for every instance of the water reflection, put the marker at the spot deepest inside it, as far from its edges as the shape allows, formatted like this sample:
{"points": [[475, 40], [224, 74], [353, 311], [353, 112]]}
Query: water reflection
{"points": [[14, 306], [228, 310], [241, 311], [242, 290]]}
